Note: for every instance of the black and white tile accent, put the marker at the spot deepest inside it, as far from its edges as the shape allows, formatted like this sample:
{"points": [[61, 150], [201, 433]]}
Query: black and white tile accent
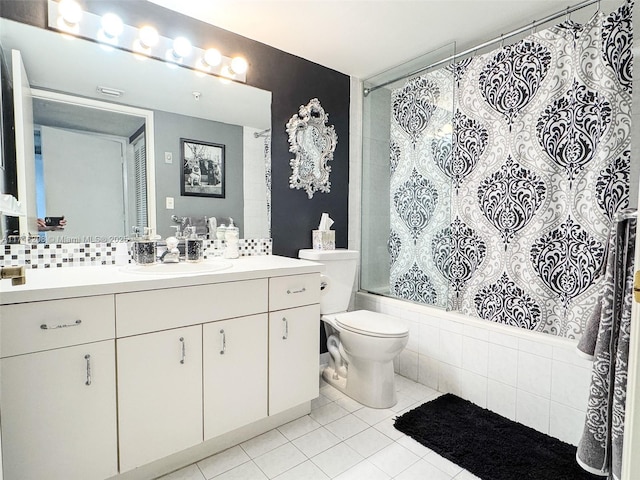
{"points": [[57, 255]]}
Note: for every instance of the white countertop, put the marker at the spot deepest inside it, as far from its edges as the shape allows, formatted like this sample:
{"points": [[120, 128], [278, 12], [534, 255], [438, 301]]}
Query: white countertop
{"points": [[57, 283]]}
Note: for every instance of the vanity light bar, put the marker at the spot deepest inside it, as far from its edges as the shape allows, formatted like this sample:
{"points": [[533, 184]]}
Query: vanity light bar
{"points": [[136, 40]]}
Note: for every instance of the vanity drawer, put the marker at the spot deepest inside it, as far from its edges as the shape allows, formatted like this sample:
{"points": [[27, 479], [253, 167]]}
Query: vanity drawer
{"points": [[38, 326], [294, 291], [155, 310]]}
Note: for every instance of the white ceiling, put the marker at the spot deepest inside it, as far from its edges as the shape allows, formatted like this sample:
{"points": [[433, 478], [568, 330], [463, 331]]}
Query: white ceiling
{"points": [[364, 37]]}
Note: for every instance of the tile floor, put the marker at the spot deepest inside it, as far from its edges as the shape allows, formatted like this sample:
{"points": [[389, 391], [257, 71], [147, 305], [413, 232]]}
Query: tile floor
{"points": [[340, 439]]}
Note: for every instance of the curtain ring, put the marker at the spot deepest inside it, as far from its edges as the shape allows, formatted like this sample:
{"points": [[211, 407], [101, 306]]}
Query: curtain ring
{"points": [[502, 40], [533, 27], [568, 15]]}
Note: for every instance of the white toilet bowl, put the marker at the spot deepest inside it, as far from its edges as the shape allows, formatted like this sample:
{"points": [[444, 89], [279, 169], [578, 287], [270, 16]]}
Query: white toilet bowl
{"points": [[362, 344], [362, 350]]}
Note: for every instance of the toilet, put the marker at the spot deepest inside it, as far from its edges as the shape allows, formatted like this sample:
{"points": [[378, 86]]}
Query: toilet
{"points": [[362, 344]]}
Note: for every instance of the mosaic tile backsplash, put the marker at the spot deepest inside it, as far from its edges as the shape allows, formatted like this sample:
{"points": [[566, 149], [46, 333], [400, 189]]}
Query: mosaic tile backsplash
{"points": [[56, 255]]}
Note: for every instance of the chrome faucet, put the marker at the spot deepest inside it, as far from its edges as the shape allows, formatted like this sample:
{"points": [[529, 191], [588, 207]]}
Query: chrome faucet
{"points": [[15, 273]]}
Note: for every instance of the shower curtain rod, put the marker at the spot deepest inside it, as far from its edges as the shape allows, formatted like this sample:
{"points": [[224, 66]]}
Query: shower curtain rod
{"points": [[260, 134], [534, 24]]}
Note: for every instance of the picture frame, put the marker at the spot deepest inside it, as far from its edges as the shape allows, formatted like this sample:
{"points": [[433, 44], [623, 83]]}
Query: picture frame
{"points": [[203, 168]]}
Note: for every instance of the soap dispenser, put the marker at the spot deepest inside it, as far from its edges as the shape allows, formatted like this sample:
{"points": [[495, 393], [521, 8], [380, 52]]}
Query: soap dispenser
{"points": [[194, 251], [231, 237], [144, 248]]}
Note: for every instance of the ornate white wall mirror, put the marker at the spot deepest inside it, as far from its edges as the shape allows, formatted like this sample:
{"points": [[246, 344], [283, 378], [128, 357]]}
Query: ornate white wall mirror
{"points": [[313, 143]]}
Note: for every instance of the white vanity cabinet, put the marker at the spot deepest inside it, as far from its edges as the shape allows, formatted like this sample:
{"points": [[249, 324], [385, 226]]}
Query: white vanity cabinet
{"points": [[235, 373], [139, 376], [294, 340], [58, 397], [159, 394], [160, 366]]}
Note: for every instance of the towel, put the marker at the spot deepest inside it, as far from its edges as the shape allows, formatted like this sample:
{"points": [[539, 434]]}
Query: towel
{"points": [[600, 448], [587, 343]]}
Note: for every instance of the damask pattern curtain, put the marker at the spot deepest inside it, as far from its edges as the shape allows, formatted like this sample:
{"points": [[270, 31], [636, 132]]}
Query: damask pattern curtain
{"points": [[506, 217]]}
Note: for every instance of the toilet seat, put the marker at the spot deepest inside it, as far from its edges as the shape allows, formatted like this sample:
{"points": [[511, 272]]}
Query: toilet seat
{"points": [[372, 324]]}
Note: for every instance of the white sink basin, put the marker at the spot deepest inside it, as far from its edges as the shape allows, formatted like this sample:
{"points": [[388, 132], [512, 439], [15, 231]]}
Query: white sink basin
{"points": [[182, 268]]}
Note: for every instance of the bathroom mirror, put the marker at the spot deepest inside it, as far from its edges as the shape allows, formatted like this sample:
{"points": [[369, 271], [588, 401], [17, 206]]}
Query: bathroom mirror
{"points": [[313, 143], [182, 104]]}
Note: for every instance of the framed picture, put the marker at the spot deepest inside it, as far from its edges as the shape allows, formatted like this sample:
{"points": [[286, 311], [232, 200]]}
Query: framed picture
{"points": [[203, 169]]}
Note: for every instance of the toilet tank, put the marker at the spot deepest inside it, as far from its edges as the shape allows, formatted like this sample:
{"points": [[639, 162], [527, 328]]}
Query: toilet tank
{"points": [[339, 275]]}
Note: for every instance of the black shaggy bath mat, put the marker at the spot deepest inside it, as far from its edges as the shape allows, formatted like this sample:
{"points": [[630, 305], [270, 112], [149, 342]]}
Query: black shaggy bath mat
{"points": [[488, 445]]}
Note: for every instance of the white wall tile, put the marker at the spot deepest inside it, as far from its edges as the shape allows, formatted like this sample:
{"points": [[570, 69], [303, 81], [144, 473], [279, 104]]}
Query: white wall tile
{"points": [[428, 371], [534, 374], [451, 326], [473, 387], [570, 385], [566, 423], [533, 411], [569, 355], [414, 337], [409, 365], [449, 379], [475, 355], [501, 399], [429, 341], [537, 348], [476, 332], [450, 349], [503, 339], [503, 364]]}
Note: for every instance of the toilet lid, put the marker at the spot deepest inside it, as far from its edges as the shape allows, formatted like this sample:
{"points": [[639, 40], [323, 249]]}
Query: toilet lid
{"points": [[372, 323]]}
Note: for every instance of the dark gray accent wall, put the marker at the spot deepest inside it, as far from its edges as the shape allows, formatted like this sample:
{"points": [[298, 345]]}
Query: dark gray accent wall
{"points": [[169, 129], [292, 80]]}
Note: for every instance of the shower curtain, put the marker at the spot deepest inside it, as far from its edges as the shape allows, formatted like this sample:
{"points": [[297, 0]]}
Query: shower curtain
{"points": [[503, 194]]}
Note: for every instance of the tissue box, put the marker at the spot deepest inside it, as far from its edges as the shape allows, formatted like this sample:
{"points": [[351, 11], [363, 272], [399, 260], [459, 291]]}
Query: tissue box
{"points": [[323, 239]]}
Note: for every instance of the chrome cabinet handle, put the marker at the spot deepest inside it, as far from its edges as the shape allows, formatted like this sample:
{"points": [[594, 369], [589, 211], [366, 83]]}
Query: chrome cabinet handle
{"points": [[87, 357], [44, 326], [302, 290], [184, 350], [286, 329], [224, 342]]}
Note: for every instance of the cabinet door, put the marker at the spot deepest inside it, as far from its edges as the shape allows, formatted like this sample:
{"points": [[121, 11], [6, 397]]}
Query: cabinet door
{"points": [[59, 414], [235, 373], [159, 394], [294, 339]]}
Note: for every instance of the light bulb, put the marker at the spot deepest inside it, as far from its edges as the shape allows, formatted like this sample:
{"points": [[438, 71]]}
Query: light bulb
{"points": [[112, 25], [212, 57], [148, 37], [70, 11], [181, 47], [239, 65]]}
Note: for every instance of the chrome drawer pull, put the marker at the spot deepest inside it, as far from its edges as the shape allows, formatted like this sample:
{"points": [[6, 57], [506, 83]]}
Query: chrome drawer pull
{"points": [[87, 357], [286, 329], [302, 290], [44, 326], [184, 350], [224, 342]]}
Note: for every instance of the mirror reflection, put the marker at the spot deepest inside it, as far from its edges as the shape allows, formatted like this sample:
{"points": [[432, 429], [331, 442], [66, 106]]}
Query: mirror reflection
{"points": [[147, 108]]}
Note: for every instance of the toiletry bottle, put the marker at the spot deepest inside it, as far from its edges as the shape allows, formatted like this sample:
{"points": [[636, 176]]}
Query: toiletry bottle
{"points": [[145, 248], [220, 231], [212, 225], [231, 237], [194, 251]]}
